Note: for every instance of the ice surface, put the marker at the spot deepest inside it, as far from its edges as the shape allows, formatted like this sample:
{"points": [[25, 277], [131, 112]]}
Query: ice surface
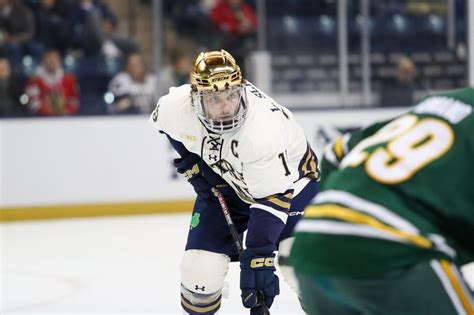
{"points": [[120, 265], [104, 265]]}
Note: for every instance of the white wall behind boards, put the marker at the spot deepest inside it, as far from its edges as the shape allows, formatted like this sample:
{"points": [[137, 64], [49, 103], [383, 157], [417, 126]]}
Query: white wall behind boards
{"points": [[80, 160], [86, 160]]}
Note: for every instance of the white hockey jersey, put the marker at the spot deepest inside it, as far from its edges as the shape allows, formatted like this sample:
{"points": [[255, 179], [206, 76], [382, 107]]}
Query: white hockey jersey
{"points": [[143, 94], [267, 160]]}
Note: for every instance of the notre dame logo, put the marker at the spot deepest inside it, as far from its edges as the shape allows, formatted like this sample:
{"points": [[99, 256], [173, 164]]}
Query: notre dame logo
{"points": [[225, 166], [260, 262]]}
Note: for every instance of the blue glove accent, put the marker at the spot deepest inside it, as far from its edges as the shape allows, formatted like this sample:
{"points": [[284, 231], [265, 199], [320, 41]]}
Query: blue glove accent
{"points": [[201, 176], [257, 274]]}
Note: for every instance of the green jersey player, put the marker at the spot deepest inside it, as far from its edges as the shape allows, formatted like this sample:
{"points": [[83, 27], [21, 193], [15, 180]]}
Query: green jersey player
{"points": [[395, 216]]}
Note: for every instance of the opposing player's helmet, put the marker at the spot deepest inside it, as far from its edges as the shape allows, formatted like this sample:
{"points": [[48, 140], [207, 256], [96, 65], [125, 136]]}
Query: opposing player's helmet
{"points": [[218, 91]]}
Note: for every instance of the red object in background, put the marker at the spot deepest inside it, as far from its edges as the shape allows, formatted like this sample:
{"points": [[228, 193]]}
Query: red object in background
{"points": [[238, 19], [53, 96]]}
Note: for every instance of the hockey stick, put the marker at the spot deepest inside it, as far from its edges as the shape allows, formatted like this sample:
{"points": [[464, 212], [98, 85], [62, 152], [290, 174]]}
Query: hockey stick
{"points": [[238, 243]]}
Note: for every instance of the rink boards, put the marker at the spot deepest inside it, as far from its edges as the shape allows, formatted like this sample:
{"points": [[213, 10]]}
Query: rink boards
{"points": [[95, 166]]}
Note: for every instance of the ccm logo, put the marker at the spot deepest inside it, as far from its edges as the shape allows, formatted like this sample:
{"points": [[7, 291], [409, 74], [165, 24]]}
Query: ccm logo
{"points": [[260, 262], [294, 213], [220, 79]]}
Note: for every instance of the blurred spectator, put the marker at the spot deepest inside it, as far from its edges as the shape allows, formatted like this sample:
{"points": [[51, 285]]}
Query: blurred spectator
{"points": [[52, 25], [9, 92], [400, 90], [51, 91], [16, 29], [177, 72], [134, 90], [237, 22], [86, 26], [114, 45], [189, 16], [94, 31], [234, 17]]}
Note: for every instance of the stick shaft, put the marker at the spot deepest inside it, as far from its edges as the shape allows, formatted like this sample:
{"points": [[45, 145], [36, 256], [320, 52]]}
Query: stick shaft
{"points": [[235, 236], [237, 242]]}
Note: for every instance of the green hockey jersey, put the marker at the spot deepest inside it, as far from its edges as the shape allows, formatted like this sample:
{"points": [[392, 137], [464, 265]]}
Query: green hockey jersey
{"points": [[395, 193]]}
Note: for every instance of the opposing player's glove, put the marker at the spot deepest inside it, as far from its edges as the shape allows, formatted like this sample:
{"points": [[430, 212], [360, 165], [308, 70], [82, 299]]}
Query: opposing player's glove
{"points": [[257, 276], [201, 176]]}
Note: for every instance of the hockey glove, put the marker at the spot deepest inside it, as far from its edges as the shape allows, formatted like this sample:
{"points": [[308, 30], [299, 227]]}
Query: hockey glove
{"points": [[257, 276], [201, 176]]}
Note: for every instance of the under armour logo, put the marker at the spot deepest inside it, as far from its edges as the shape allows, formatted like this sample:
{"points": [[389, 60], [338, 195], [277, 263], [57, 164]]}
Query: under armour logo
{"points": [[213, 157], [200, 288]]}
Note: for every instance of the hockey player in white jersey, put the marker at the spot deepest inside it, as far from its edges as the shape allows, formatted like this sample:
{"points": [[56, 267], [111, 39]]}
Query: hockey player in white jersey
{"points": [[232, 136]]}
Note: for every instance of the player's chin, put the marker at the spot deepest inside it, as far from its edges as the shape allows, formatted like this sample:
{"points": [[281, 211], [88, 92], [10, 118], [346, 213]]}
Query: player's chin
{"points": [[226, 121]]}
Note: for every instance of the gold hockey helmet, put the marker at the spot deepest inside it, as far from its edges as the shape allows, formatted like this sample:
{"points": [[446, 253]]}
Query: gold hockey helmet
{"points": [[218, 91], [215, 71]]}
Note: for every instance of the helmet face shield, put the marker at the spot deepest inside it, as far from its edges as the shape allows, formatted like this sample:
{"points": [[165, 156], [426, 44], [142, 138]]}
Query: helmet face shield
{"points": [[221, 111], [218, 91]]}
